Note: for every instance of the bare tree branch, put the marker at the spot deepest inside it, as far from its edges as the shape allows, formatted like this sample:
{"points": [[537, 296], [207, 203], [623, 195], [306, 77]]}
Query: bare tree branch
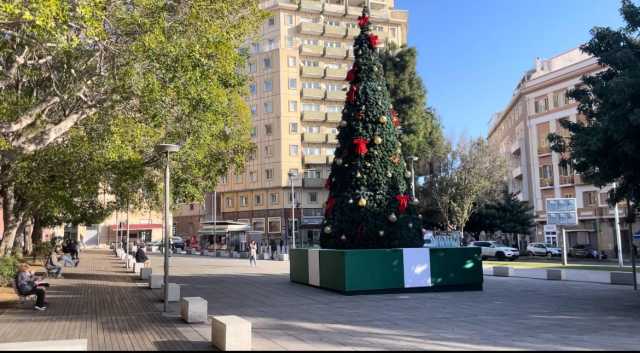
{"points": [[29, 117], [52, 132], [13, 70]]}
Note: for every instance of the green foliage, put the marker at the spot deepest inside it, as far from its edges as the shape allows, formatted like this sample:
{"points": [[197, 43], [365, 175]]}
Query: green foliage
{"points": [[8, 269], [604, 147], [422, 132], [507, 214], [377, 176]]}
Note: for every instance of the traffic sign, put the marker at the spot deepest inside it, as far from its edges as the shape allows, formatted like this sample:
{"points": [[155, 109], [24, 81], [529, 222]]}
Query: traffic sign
{"points": [[562, 211]]}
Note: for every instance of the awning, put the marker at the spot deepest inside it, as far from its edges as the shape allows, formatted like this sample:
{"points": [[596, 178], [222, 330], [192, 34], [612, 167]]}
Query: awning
{"points": [[136, 227], [222, 229]]}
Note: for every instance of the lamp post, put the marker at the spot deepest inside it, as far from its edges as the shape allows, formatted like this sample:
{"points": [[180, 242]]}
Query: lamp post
{"points": [[293, 210], [413, 176], [617, 227], [166, 149]]}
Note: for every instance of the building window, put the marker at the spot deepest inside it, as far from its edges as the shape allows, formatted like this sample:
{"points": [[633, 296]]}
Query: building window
{"points": [[590, 198], [289, 20], [223, 179], [310, 63], [267, 63], [312, 151], [253, 67], [253, 176], [312, 129], [239, 178], [333, 44], [293, 84], [274, 199], [258, 224], [307, 41], [334, 87], [311, 85], [291, 61], [258, 200], [254, 110], [253, 88], [254, 132], [313, 197], [334, 109], [296, 196], [268, 151], [268, 107], [243, 201], [269, 174], [556, 100], [290, 42], [293, 150], [293, 106], [312, 174], [293, 128], [272, 21], [268, 129], [271, 44], [255, 47], [275, 225], [310, 107], [268, 85], [229, 202]]}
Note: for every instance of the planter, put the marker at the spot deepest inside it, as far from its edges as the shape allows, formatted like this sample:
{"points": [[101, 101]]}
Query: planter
{"points": [[388, 271]]}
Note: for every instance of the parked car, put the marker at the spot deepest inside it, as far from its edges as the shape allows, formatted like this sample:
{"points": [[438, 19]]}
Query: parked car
{"points": [[492, 249], [543, 249], [177, 243], [581, 250]]}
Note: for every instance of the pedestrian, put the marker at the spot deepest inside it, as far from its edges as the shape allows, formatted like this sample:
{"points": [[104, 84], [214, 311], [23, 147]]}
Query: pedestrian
{"points": [[274, 247], [141, 256], [253, 253], [28, 284]]}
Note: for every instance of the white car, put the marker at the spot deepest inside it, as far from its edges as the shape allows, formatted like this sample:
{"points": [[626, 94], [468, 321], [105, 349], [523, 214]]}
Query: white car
{"points": [[496, 250], [543, 249]]}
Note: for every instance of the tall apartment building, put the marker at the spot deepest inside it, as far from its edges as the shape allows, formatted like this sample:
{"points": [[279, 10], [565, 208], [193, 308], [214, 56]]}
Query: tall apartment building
{"points": [[297, 96], [520, 132]]}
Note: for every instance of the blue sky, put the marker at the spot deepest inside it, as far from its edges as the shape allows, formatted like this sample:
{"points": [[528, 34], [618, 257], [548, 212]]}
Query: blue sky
{"points": [[473, 52]]}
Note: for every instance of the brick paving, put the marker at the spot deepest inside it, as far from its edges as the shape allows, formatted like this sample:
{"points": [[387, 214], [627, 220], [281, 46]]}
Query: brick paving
{"points": [[102, 303]]}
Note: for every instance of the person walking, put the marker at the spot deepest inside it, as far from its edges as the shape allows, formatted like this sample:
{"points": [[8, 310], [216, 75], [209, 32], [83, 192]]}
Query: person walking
{"points": [[253, 253]]}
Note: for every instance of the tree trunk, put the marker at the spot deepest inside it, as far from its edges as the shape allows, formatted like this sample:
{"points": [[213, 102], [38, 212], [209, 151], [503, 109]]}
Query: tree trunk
{"points": [[18, 242], [28, 237], [36, 236], [11, 221]]}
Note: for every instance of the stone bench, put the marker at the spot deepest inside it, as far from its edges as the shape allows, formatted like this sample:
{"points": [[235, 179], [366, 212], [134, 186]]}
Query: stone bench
{"points": [[193, 310], [502, 271], [156, 281], [137, 266], [145, 273], [623, 278], [283, 257], [173, 292], [556, 275], [230, 333]]}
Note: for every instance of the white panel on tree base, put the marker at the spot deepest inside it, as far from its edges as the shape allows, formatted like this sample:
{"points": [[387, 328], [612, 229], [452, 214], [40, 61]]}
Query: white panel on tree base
{"points": [[417, 267], [314, 267]]}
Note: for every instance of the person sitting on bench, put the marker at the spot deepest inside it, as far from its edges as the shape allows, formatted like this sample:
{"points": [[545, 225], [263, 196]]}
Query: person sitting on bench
{"points": [[53, 266], [28, 284], [141, 256]]}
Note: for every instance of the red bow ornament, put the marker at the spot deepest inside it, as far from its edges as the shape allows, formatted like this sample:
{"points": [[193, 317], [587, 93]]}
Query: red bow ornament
{"points": [[395, 120], [351, 95], [363, 21], [361, 146], [351, 75], [331, 202], [374, 40], [403, 202]]}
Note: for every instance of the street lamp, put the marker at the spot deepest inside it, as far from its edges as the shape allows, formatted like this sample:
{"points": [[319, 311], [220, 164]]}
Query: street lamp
{"points": [[166, 149], [413, 176], [293, 210]]}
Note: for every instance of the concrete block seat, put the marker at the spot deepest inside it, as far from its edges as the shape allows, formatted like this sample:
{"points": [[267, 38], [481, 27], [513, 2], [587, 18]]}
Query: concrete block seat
{"points": [[502, 271], [231, 333], [193, 309], [173, 293], [145, 273], [156, 281]]}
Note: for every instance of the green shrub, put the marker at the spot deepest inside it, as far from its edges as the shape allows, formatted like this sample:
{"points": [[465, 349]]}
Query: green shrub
{"points": [[8, 269]]}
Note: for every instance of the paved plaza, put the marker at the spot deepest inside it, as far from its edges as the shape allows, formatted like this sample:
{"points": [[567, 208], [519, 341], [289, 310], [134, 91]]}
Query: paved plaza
{"points": [[511, 313]]}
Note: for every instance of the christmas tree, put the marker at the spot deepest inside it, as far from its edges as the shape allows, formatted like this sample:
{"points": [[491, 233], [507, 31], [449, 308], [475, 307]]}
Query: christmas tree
{"points": [[369, 205]]}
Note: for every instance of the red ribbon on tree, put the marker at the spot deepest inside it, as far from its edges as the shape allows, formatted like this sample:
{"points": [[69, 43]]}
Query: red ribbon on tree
{"points": [[331, 202], [351, 95], [403, 202], [374, 40], [351, 75], [363, 21], [361, 145], [395, 120]]}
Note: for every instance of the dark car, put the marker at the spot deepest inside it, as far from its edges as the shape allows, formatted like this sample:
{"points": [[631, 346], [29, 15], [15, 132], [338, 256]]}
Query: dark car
{"points": [[177, 243], [582, 250]]}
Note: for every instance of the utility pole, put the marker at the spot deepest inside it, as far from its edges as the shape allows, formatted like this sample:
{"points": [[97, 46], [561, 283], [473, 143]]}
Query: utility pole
{"points": [[618, 237], [413, 176], [127, 240]]}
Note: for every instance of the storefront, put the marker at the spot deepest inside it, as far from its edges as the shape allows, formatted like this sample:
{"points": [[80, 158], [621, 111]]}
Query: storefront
{"points": [[227, 235]]}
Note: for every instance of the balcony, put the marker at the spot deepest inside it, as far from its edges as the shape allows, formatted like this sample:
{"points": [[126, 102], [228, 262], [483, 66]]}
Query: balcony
{"points": [[312, 93], [331, 138], [312, 72], [380, 14], [335, 53], [287, 4], [335, 31], [352, 32], [313, 116], [517, 173], [354, 11], [315, 159], [313, 138], [311, 28], [546, 182], [334, 117], [335, 74], [311, 6], [334, 9], [567, 180], [337, 96], [311, 50], [315, 183]]}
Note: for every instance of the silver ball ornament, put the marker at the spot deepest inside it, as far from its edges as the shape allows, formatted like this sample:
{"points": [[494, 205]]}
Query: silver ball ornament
{"points": [[343, 237], [338, 161], [393, 218], [410, 225], [343, 123], [327, 230], [381, 233]]}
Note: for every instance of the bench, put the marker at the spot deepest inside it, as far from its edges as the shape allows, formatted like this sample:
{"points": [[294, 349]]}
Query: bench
{"points": [[623, 278], [22, 298], [193, 310], [230, 333], [156, 281], [145, 273], [502, 271], [173, 292], [555, 275]]}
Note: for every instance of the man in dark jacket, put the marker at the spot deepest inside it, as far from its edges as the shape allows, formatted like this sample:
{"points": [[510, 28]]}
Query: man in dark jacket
{"points": [[141, 256]]}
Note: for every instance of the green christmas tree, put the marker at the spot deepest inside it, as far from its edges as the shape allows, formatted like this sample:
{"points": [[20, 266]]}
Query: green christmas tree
{"points": [[369, 205]]}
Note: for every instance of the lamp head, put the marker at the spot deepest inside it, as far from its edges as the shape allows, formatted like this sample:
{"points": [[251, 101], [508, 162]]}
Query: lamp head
{"points": [[166, 148]]}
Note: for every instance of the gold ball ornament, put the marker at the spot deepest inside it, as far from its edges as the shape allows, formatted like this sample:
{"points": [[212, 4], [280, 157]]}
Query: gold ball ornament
{"points": [[358, 175], [393, 218], [377, 140], [362, 202], [327, 230], [407, 174], [350, 201], [383, 120], [389, 175]]}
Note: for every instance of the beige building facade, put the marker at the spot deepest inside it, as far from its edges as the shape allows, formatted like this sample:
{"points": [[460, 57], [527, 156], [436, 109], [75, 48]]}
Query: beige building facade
{"points": [[298, 69], [520, 132]]}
